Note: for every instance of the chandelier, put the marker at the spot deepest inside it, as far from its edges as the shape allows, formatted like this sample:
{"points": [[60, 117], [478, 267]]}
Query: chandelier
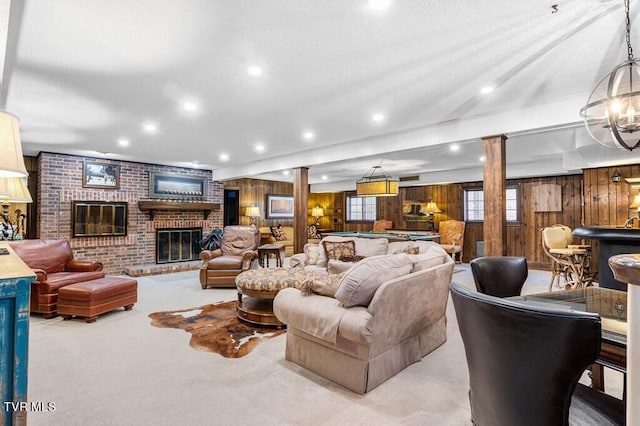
{"points": [[377, 183], [612, 113]]}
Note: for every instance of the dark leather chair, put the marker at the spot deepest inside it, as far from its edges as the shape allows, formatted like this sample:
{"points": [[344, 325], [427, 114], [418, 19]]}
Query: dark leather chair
{"points": [[500, 276], [525, 362], [238, 250]]}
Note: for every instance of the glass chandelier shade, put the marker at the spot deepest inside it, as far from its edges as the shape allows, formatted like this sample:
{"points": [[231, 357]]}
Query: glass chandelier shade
{"points": [[612, 113]]}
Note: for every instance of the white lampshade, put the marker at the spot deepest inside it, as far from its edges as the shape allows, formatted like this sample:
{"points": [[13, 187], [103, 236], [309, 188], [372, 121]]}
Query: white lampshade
{"points": [[11, 159], [253, 211], [317, 212], [14, 190]]}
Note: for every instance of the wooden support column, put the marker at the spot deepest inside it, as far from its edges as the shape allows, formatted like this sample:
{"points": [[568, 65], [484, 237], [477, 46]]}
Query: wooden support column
{"points": [[300, 197], [495, 187]]}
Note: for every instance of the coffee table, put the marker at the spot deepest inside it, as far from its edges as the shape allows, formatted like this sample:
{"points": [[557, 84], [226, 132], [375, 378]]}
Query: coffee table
{"points": [[258, 287], [264, 251]]}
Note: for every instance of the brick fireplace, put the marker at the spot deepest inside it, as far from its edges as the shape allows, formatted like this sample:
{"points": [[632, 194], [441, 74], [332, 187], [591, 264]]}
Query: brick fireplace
{"points": [[60, 182], [177, 244]]}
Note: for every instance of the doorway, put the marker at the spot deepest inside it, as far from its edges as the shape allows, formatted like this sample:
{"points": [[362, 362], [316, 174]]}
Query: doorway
{"points": [[231, 207]]}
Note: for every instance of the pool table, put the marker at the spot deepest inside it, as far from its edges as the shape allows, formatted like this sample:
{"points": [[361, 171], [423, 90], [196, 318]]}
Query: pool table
{"points": [[391, 236]]}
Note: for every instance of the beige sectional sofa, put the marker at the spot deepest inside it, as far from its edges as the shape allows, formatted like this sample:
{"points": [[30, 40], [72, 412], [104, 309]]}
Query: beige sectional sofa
{"points": [[314, 259], [388, 312]]}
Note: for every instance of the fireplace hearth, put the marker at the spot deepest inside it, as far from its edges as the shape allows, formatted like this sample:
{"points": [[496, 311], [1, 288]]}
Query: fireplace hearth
{"points": [[177, 244]]}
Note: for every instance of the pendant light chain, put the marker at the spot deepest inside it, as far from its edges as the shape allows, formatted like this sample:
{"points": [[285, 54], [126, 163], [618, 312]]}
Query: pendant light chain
{"points": [[628, 22]]}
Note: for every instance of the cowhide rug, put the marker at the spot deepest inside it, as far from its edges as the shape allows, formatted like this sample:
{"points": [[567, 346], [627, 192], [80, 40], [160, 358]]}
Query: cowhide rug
{"points": [[216, 328]]}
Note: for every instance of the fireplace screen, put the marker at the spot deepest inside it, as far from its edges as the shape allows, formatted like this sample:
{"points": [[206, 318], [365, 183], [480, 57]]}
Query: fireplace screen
{"points": [[98, 218], [178, 244]]}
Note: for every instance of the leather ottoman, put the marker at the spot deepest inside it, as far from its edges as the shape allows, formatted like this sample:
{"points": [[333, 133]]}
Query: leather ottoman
{"points": [[91, 298]]}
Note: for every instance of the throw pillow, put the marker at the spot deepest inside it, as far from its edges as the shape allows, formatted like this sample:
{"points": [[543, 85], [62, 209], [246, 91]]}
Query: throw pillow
{"points": [[312, 232], [336, 249], [349, 258], [312, 252], [409, 249], [324, 285], [278, 233], [361, 282]]}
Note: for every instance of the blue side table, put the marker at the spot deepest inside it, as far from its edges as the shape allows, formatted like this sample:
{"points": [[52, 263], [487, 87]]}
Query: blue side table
{"points": [[15, 286]]}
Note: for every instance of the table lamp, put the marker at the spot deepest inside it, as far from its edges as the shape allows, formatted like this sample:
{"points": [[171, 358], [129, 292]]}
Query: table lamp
{"points": [[252, 213], [317, 213], [12, 191]]}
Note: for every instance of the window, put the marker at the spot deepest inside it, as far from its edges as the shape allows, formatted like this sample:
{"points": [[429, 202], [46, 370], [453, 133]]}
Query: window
{"points": [[361, 209], [474, 204]]}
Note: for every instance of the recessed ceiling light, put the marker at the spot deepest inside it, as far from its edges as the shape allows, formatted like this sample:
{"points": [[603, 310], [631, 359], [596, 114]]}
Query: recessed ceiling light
{"points": [[324, 177], [123, 142], [190, 106], [378, 4], [308, 135], [259, 147], [150, 127], [454, 147], [254, 71], [224, 156], [378, 117], [285, 172], [482, 158], [486, 90], [195, 163]]}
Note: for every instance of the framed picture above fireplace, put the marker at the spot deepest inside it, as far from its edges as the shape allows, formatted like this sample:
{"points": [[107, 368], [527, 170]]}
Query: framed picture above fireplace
{"points": [[178, 187]]}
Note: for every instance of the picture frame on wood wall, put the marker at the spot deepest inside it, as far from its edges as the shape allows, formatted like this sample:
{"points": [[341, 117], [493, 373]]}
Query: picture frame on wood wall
{"points": [[279, 206], [96, 174]]}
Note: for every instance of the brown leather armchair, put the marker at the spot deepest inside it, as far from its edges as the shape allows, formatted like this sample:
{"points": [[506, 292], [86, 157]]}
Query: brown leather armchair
{"points": [[53, 263], [239, 248]]}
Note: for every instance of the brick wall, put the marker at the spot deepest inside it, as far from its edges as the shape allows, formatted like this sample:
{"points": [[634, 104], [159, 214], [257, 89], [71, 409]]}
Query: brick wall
{"points": [[60, 182]]}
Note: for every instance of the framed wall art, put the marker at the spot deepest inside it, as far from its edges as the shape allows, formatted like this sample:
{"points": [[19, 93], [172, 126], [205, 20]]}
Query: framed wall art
{"points": [[100, 175], [179, 187], [279, 206]]}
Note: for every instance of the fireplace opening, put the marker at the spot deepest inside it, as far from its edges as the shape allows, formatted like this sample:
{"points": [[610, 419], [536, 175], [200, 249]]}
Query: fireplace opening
{"points": [[178, 244]]}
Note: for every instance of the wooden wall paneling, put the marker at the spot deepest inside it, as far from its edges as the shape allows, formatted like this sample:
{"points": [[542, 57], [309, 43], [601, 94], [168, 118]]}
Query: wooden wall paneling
{"points": [[254, 192]]}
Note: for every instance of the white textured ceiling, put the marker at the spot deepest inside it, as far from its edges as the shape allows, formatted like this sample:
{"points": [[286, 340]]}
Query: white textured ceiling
{"points": [[87, 72]]}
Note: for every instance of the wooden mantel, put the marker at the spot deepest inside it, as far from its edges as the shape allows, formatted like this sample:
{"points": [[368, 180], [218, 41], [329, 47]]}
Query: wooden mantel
{"points": [[154, 205]]}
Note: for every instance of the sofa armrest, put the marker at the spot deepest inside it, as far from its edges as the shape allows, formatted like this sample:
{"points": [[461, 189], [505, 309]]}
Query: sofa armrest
{"points": [[83, 266], [41, 275], [316, 315], [207, 255], [405, 305], [298, 260], [247, 257]]}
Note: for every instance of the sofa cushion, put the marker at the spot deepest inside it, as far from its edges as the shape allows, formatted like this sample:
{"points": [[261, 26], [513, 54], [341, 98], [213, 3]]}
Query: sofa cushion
{"points": [[48, 255], [336, 249], [368, 247], [225, 262], [360, 283], [56, 280]]}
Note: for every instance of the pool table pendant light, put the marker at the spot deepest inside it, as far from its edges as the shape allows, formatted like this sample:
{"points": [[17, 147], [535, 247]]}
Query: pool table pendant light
{"points": [[377, 183]]}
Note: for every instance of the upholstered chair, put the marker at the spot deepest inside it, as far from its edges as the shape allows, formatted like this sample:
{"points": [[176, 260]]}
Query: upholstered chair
{"points": [[382, 225], [452, 238], [236, 254], [500, 276], [569, 263], [525, 362]]}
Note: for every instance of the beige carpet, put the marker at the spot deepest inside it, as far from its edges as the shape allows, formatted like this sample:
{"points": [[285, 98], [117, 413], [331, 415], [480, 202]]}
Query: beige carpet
{"points": [[122, 371]]}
